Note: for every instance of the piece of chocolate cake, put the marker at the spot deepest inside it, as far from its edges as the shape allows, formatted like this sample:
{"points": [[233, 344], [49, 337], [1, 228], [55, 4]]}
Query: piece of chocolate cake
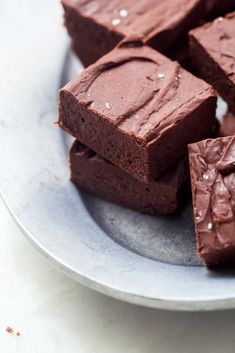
{"points": [[212, 169], [138, 109], [212, 49], [97, 26], [91, 172]]}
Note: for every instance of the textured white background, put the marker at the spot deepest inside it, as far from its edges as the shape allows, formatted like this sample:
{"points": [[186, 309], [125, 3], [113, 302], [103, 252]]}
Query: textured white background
{"points": [[56, 315]]}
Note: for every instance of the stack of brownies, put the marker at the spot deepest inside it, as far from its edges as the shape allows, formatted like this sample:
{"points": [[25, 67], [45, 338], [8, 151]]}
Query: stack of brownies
{"points": [[134, 111]]}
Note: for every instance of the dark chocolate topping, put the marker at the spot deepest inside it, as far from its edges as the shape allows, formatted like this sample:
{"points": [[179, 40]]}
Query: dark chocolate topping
{"points": [[95, 174], [212, 172]]}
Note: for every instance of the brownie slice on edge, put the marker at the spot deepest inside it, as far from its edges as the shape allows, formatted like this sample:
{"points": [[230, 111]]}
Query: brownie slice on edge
{"points": [[97, 26], [212, 49], [212, 169], [138, 109], [93, 173]]}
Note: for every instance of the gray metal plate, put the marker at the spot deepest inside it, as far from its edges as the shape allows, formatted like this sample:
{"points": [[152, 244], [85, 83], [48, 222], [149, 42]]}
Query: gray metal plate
{"points": [[140, 259]]}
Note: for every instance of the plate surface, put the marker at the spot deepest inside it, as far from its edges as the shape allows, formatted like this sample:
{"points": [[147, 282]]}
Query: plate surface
{"points": [[139, 259]]}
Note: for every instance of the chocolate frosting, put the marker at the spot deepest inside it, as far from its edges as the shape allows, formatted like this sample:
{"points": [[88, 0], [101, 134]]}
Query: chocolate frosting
{"points": [[218, 37], [142, 17], [212, 167], [139, 90]]}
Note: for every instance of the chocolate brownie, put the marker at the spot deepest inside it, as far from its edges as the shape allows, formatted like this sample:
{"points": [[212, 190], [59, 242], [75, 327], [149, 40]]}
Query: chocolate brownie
{"points": [[227, 127], [91, 172], [137, 109], [212, 168], [97, 26], [212, 49]]}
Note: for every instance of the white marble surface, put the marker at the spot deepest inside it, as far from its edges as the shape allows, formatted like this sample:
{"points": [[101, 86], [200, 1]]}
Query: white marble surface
{"points": [[56, 315]]}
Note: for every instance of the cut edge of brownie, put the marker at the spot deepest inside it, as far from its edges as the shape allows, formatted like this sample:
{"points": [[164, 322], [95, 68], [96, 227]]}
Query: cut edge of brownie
{"points": [[142, 169], [94, 174]]}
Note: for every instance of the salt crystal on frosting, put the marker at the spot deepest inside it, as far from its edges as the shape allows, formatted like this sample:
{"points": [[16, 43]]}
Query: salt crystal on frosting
{"points": [[205, 176], [219, 19], [116, 21], [199, 214], [210, 226], [123, 12]]}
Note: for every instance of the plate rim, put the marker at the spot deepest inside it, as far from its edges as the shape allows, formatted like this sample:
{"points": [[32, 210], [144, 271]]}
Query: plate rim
{"points": [[154, 303]]}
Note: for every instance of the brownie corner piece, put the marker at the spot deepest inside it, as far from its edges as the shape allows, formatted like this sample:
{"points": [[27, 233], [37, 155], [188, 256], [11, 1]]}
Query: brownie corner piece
{"points": [[96, 175], [212, 50], [138, 109], [212, 170]]}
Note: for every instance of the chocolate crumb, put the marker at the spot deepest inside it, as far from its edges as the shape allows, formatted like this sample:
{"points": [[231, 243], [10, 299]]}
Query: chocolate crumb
{"points": [[9, 329]]}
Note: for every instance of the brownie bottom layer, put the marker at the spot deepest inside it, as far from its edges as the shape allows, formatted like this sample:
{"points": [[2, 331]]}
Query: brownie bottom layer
{"points": [[93, 173]]}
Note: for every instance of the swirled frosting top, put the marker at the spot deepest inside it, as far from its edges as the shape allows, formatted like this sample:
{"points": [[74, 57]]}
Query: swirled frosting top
{"points": [[212, 168]]}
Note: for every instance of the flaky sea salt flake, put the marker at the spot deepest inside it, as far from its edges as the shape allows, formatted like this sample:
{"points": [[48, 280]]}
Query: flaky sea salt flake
{"points": [[205, 176], [116, 21], [219, 19], [160, 75], [210, 225], [123, 13]]}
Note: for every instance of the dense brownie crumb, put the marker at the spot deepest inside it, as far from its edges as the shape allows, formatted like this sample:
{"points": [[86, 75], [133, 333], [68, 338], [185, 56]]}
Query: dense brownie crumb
{"points": [[9, 329], [93, 173]]}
